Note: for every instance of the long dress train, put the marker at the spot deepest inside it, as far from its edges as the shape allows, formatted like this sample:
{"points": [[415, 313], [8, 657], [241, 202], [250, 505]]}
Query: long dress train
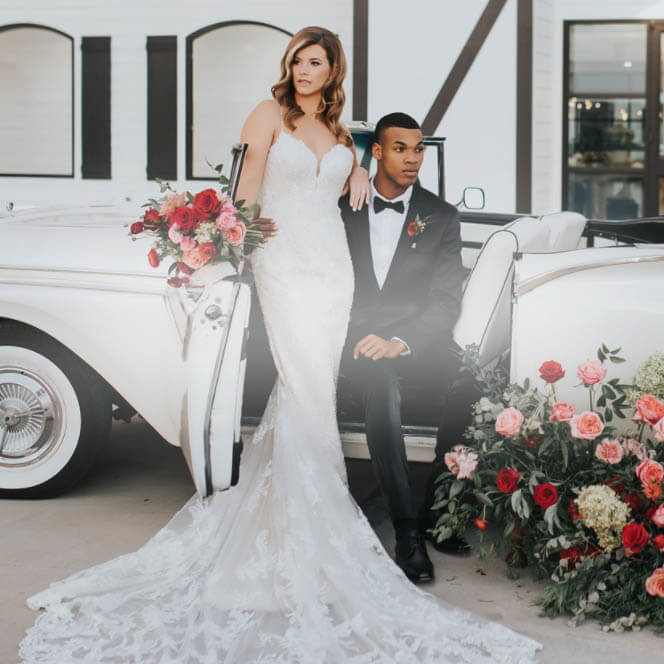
{"points": [[283, 568]]}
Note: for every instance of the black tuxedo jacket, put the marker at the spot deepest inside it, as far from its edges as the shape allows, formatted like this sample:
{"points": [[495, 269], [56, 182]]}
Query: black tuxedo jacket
{"points": [[421, 297]]}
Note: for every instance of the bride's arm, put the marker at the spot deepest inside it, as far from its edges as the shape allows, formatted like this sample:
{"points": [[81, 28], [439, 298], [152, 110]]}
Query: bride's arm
{"points": [[258, 132], [357, 183]]}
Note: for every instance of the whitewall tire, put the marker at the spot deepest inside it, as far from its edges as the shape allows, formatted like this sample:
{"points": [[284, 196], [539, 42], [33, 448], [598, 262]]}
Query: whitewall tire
{"points": [[54, 414]]}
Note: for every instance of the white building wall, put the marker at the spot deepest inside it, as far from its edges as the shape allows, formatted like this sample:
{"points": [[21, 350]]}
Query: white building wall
{"points": [[547, 138], [128, 23], [410, 55]]}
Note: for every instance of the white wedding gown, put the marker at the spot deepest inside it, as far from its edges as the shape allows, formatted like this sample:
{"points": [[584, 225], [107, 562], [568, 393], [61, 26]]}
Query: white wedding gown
{"points": [[284, 567]]}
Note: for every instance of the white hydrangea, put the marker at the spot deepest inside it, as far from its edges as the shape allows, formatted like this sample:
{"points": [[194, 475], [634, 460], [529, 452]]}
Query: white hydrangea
{"points": [[207, 232], [649, 378], [605, 513]]}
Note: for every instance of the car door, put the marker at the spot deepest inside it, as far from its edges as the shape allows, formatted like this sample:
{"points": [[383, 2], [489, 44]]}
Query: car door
{"points": [[214, 319]]}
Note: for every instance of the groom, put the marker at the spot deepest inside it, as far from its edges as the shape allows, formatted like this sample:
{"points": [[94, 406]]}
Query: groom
{"points": [[406, 252]]}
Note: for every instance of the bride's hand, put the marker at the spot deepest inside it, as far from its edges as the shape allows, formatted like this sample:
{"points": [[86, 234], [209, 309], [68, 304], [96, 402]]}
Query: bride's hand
{"points": [[358, 183]]}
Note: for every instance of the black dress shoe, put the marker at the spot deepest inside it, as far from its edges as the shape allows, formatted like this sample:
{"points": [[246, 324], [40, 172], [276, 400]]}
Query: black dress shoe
{"points": [[412, 557], [457, 546]]}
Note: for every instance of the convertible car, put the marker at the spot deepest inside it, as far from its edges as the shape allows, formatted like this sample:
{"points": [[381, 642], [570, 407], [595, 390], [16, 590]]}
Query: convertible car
{"points": [[89, 330]]}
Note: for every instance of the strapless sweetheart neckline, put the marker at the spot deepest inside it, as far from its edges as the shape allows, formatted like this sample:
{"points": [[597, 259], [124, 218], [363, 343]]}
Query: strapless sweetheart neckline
{"points": [[320, 161]]}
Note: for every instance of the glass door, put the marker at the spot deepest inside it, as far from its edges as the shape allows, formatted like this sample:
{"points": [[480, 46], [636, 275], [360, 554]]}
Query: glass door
{"points": [[655, 164]]}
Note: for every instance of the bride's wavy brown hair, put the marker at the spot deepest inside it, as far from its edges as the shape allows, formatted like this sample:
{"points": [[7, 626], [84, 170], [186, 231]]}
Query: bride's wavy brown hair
{"points": [[333, 96]]}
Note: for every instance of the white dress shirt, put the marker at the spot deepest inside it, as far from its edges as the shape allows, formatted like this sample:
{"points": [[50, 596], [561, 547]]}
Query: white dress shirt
{"points": [[384, 232]]}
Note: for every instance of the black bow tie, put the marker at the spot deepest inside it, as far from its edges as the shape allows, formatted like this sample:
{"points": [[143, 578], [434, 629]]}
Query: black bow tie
{"points": [[380, 204]]}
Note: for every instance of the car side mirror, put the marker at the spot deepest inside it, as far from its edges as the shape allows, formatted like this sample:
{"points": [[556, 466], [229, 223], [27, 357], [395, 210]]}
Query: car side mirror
{"points": [[473, 198]]}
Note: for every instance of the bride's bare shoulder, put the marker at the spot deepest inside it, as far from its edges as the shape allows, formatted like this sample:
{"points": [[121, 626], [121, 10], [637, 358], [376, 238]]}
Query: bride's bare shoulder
{"points": [[267, 110], [263, 123]]}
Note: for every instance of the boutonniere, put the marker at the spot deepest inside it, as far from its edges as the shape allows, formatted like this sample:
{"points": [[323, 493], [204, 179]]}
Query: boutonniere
{"points": [[416, 228]]}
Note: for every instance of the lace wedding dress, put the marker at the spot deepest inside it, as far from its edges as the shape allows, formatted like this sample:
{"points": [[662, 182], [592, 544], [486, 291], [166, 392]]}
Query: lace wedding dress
{"points": [[284, 567]]}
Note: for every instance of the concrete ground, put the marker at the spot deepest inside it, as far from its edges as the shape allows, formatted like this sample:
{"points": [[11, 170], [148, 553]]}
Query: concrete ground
{"points": [[141, 481]]}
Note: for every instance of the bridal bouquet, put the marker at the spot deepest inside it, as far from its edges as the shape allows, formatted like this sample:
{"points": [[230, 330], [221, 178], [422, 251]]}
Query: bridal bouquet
{"points": [[577, 498], [194, 230]]}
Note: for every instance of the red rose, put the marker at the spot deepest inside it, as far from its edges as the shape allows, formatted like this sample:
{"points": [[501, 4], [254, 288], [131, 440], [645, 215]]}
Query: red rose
{"points": [[573, 511], [545, 495], [531, 441], [153, 258], [634, 537], [136, 227], [658, 541], [508, 480], [207, 249], [634, 501], [206, 203], [551, 371], [648, 514], [184, 218], [480, 523], [184, 268], [151, 219], [571, 555], [412, 229]]}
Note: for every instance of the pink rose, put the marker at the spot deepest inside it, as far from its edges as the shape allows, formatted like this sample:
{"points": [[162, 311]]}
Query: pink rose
{"points": [[235, 234], [649, 471], [586, 425], [561, 412], [658, 430], [633, 446], [509, 422], [658, 517], [609, 451], [591, 372], [187, 242], [655, 583], [174, 234], [649, 409], [199, 256], [460, 461]]}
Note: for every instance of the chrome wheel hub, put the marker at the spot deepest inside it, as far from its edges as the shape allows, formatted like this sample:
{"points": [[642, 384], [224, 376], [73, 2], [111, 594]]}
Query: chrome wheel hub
{"points": [[30, 420]]}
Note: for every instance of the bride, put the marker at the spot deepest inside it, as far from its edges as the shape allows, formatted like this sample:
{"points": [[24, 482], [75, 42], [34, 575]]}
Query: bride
{"points": [[284, 567]]}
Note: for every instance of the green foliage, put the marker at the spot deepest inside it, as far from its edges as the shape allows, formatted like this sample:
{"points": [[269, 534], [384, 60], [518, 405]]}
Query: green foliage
{"points": [[581, 579]]}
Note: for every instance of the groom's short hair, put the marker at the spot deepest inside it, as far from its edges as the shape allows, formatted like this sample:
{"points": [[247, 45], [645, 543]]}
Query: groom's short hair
{"points": [[402, 120]]}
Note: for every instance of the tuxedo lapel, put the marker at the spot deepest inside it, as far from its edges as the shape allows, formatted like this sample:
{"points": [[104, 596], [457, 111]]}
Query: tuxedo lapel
{"points": [[403, 245], [363, 247]]}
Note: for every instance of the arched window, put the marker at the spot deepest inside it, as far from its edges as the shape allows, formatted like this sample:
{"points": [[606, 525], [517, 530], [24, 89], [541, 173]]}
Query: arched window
{"points": [[36, 105], [230, 68]]}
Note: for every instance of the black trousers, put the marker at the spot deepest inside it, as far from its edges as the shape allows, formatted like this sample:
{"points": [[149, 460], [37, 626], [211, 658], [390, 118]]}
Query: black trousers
{"points": [[379, 384]]}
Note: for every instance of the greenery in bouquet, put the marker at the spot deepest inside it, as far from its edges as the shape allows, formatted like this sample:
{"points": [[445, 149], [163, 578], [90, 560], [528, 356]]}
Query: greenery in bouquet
{"points": [[194, 230], [577, 497]]}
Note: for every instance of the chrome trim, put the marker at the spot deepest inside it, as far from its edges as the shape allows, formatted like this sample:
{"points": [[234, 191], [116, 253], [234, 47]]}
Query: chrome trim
{"points": [[536, 282]]}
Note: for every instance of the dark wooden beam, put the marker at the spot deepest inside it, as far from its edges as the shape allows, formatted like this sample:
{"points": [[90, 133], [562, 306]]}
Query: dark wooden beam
{"points": [[360, 58], [462, 65], [524, 106]]}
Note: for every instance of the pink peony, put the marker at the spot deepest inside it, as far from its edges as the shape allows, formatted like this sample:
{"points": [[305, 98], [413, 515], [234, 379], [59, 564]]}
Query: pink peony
{"points": [[227, 217], [460, 461], [658, 430], [168, 206], [509, 422], [609, 451], [591, 372], [655, 583], [633, 446], [561, 412], [650, 471], [586, 425]]}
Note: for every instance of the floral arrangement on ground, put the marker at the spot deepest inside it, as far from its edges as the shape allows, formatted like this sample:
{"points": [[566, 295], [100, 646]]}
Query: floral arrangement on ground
{"points": [[194, 230], [578, 498]]}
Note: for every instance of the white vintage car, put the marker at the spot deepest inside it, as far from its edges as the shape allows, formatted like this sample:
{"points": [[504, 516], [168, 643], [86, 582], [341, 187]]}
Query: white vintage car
{"points": [[86, 325]]}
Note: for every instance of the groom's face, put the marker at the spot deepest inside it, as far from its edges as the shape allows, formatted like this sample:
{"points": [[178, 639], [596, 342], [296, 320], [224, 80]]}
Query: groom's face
{"points": [[399, 155]]}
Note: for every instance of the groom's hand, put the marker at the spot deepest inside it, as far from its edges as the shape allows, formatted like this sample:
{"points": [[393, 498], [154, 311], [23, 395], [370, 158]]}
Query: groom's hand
{"points": [[374, 347]]}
